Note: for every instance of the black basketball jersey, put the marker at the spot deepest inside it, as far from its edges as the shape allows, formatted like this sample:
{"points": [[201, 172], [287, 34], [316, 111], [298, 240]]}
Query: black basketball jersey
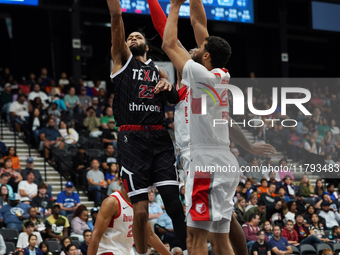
{"points": [[135, 102]]}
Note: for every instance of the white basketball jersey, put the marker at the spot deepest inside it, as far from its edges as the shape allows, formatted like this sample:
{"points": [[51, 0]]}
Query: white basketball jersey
{"points": [[117, 238]]}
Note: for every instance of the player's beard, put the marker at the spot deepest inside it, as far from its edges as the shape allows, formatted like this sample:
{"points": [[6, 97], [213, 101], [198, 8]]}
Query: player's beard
{"points": [[198, 58], [138, 50]]}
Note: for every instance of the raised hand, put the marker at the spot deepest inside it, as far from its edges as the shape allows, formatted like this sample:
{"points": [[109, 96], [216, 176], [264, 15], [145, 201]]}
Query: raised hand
{"points": [[262, 149]]}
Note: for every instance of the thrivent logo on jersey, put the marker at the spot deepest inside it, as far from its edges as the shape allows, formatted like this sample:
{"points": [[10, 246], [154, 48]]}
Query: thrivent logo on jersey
{"points": [[145, 75], [127, 218]]}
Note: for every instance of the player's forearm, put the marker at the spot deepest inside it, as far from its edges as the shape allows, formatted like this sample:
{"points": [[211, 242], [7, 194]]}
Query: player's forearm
{"points": [[114, 8], [197, 13], [156, 243], [171, 30], [93, 246], [237, 135]]}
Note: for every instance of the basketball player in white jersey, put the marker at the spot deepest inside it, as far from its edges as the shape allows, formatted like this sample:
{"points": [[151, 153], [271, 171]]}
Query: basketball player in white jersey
{"points": [[209, 195], [112, 233]]}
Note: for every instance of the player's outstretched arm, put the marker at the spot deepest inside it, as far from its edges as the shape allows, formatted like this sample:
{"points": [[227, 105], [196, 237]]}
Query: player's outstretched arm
{"points": [[158, 16], [119, 50], [177, 55], [155, 242], [237, 135], [108, 209], [198, 21]]}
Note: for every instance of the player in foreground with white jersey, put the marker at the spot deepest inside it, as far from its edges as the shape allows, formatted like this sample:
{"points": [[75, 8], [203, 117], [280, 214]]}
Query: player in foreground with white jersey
{"points": [[112, 233], [208, 194]]}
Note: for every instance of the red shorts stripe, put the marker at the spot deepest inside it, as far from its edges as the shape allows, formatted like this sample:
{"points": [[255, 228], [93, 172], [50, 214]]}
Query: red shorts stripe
{"points": [[140, 127], [199, 210]]}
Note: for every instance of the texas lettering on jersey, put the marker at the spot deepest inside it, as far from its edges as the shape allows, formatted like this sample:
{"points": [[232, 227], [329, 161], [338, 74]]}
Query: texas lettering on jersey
{"points": [[145, 75]]}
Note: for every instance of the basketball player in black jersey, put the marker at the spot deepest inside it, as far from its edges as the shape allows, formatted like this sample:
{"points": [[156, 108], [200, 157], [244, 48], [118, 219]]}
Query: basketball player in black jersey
{"points": [[145, 150]]}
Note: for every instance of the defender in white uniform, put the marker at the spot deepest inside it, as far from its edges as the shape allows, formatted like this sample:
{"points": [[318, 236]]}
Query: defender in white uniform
{"points": [[112, 233]]}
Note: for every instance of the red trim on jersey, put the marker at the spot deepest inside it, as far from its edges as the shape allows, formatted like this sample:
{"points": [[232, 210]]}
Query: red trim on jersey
{"points": [[224, 70], [199, 210], [182, 92], [107, 253], [120, 210], [217, 74], [124, 199], [140, 127]]}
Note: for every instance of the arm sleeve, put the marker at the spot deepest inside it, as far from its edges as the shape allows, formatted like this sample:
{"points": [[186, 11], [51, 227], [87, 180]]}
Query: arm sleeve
{"points": [[158, 16]]}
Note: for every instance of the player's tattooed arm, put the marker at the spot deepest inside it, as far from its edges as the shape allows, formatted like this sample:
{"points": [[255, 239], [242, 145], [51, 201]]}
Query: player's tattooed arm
{"points": [[237, 135], [198, 21], [119, 50]]}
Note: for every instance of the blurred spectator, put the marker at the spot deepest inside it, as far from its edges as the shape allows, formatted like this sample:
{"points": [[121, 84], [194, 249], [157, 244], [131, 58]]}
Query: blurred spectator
{"points": [[290, 215], [23, 237], [92, 122], [37, 223], [84, 100], [89, 91], [55, 112], [305, 237], [82, 163], [278, 244], [248, 189], [36, 123], [335, 235], [104, 121], [294, 143], [54, 98], [240, 160], [255, 176], [114, 186], [31, 248], [72, 102], [42, 203], [284, 169], [45, 78], [49, 136], [166, 229], [274, 213], [56, 224], [301, 206], [20, 112], [330, 191], [109, 158], [12, 154], [335, 130], [306, 188], [27, 188], [274, 177], [112, 175], [317, 228], [260, 247], [36, 103], [96, 181], [319, 188], [14, 176], [330, 145], [239, 208], [14, 213], [38, 93], [68, 200], [32, 80], [327, 252], [6, 98], [69, 135], [252, 201], [110, 135], [96, 87], [309, 214], [260, 209], [44, 248], [3, 151], [4, 177], [94, 214], [101, 98], [63, 81], [263, 188], [290, 233], [289, 186], [20, 92], [87, 234], [4, 196], [327, 198], [324, 127], [182, 195], [66, 241], [251, 228], [268, 230], [154, 209], [37, 176], [79, 222], [267, 197], [174, 251], [331, 217], [96, 107]]}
